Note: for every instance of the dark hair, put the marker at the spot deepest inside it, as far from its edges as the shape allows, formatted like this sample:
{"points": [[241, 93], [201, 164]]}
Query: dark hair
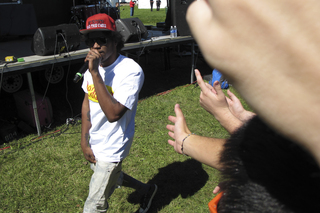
{"points": [[265, 172]]}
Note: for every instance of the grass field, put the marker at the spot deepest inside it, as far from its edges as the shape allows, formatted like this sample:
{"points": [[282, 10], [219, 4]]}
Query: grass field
{"points": [[145, 15], [50, 174]]}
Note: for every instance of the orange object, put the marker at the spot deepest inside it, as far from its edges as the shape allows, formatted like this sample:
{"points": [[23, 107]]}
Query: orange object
{"points": [[213, 204]]}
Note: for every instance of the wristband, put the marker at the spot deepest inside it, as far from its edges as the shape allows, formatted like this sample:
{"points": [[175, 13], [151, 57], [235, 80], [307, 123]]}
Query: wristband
{"points": [[183, 141]]}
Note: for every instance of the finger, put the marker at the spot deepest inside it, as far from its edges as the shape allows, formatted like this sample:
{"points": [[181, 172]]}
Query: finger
{"points": [[95, 52], [170, 127], [229, 101], [173, 119], [217, 88], [208, 86], [216, 190], [232, 96], [230, 93], [92, 159], [89, 159], [178, 111], [211, 88], [199, 79], [171, 134], [90, 156], [171, 142]]}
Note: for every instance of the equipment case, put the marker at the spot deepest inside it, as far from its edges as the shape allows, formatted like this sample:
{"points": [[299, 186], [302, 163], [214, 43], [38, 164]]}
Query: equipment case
{"points": [[25, 109]]}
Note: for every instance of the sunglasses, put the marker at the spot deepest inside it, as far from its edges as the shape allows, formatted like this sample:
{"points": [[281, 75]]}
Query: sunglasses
{"points": [[91, 41]]}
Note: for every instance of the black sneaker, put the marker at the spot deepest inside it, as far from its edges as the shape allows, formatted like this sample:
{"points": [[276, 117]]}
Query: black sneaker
{"points": [[146, 200]]}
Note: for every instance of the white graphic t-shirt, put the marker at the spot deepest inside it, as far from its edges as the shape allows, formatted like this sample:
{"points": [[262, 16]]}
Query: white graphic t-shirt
{"points": [[111, 142]]}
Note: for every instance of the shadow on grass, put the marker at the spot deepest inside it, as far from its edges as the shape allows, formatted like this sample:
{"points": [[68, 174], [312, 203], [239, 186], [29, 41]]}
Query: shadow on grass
{"points": [[179, 178]]}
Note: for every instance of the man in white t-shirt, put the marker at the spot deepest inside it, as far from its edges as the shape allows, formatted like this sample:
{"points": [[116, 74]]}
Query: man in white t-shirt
{"points": [[111, 84]]}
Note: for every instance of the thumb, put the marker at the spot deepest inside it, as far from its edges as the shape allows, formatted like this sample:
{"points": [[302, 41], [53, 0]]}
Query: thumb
{"points": [[178, 111]]}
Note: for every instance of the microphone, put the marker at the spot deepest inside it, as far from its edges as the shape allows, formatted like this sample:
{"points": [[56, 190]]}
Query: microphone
{"points": [[79, 74]]}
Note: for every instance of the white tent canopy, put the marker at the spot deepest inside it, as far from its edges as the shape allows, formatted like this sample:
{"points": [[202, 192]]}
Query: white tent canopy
{"points": [[145, 4]]}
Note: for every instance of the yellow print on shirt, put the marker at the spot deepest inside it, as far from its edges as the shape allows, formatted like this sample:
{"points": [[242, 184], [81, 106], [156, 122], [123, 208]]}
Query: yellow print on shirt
{"points": [[92, 92]]}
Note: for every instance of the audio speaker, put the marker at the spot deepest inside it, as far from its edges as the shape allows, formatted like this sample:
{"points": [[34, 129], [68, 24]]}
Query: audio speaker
{"points": [[56, 39], [178, 16], [132, 29]]}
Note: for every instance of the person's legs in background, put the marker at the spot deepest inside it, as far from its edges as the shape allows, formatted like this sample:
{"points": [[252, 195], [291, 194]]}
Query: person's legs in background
{"points": [[131, 11]]}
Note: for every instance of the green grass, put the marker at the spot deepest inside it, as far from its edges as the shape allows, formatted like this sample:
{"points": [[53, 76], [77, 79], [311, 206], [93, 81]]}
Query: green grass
{"points": [[145, 15], [50, 174]]}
